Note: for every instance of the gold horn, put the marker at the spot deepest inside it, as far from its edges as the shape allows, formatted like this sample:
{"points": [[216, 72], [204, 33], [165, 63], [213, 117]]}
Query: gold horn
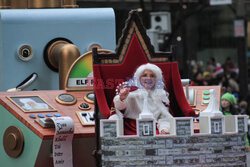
{"points": [[61, 55]]}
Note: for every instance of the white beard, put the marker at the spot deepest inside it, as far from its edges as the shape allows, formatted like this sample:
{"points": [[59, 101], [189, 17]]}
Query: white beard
{"points": [[157, 95]]}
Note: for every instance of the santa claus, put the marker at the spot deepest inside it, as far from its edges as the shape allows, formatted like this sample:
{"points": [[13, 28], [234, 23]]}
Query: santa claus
{"points": [[150, 87]]}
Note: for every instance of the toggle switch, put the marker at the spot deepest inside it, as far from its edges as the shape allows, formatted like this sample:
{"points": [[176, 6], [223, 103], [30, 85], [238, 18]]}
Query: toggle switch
{"points": [[86, 117]]}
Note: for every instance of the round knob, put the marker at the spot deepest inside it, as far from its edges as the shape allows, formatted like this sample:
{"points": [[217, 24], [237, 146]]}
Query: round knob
{"points": [[84, 106], [13, 141]]}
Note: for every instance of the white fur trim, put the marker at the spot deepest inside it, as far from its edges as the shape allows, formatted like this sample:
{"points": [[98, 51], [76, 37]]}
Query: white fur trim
{"points": [[158, 91]]}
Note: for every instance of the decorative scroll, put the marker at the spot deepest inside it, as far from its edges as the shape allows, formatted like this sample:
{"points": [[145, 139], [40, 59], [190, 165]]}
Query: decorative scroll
{"points": [[62, 143]]}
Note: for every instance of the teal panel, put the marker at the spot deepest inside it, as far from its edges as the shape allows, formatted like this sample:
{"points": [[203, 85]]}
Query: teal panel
{"points": [[37, 27], [32, 142]]}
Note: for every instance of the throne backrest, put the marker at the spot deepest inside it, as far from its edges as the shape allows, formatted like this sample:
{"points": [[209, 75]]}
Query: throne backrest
{"points": [[134, 49]]}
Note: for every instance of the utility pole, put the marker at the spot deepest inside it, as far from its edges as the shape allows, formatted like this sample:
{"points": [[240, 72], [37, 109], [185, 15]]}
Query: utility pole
{"points": [[242, 51]]}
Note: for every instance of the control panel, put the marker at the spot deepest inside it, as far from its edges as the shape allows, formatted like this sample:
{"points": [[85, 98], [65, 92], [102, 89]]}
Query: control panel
{"points": [[198, 97], [29, 114], [36, 106]]}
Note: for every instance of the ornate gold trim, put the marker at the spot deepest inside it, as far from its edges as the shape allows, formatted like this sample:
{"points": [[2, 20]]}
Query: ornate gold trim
{"points": [[135, 29]]}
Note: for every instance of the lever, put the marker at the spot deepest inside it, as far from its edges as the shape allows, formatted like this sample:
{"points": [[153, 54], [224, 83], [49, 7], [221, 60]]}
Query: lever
{"points": [[186, 82], [190, 92], [27, 82], [85, 116]]}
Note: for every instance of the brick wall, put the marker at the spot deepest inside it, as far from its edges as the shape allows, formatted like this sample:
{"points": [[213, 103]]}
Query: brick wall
{"points": [[241, 127], [183, 127], [215, 149]]}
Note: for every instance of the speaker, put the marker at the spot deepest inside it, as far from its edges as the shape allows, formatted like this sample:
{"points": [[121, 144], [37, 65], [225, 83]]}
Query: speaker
{"points": [[161, 22]]}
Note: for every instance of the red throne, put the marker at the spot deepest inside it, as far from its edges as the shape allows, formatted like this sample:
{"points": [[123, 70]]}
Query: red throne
{"points": [[134, 49]]}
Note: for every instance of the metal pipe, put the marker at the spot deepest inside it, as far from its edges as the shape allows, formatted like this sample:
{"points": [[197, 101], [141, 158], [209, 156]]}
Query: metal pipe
{"points": [[61, 55]]}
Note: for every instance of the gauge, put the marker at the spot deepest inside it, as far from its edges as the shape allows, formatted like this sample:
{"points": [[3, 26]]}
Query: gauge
{"points": [[90, 97], [66, 98]]}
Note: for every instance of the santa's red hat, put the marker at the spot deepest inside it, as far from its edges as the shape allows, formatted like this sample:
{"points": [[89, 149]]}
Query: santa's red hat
{"points": [[219, 70]]}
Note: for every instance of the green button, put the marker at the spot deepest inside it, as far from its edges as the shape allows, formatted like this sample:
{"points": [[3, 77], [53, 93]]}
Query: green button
{"points": [[206, 92], [206, 97]]}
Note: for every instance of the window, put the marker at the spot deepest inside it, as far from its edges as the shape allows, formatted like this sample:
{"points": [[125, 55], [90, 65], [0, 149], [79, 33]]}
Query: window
{"points": [[145, 130], [216, 127]]}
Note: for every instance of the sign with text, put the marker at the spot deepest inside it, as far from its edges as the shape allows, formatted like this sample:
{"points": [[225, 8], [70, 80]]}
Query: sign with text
{"points": [[239, 28], [80, 76]]}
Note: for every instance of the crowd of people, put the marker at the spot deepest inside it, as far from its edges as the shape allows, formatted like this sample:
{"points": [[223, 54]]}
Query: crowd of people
{"points": [[225, 75]]}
